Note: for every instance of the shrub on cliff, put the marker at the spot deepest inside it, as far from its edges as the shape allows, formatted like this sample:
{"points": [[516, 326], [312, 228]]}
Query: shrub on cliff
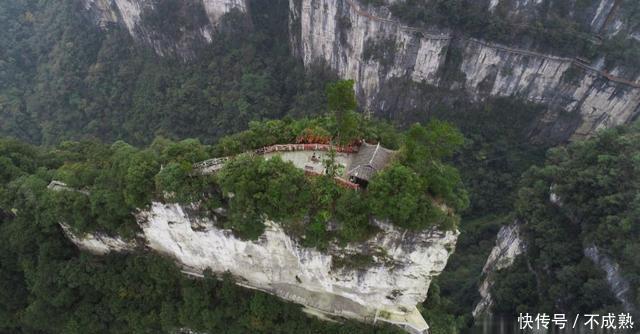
{"points": [[397, 194], [48, 286], [400, 196], [263, 189], [416, 192], [424, 151]]}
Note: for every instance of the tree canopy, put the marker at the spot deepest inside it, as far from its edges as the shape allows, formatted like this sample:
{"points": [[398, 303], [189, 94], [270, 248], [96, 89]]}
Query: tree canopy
{"points": [[585, 195], [107, 184]]}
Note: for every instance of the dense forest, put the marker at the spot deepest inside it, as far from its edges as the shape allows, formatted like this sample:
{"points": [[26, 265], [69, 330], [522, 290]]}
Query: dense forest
{"points": [[581, 195], [65, 78], [48, 286], [108, 183], [595, 184]]}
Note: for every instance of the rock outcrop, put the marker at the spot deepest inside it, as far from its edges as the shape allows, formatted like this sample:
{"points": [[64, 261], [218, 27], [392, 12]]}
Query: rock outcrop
{"points": [[169, 27], [387, 290], [367, 44], [98, 243], [617, 283], [603, 17], [509, 245]]}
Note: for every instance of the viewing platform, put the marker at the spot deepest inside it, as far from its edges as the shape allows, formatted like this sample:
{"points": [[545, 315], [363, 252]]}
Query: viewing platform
{"points": [[357, 164]]}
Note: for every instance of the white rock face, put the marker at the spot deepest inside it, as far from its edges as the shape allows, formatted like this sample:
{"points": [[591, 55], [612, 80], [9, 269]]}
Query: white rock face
{"points": [[104, 13], [509, 246], [98, 244], [617, 283], [334, 32], [129, 12], [389, 290], [217, 8], [339, 32], [503, 71], [602, 16]]}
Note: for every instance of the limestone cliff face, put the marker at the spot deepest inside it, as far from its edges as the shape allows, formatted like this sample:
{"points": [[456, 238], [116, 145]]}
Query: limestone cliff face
{"points": [[99, 244], [387, 291], [366, 44], [617, 283], [169, 27], [509, 245], [358, 46], [605, 17]]}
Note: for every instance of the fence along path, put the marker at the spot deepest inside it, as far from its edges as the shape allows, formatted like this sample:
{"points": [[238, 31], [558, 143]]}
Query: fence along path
{"points": [[373, 17], [216, 164], [574, 61]]}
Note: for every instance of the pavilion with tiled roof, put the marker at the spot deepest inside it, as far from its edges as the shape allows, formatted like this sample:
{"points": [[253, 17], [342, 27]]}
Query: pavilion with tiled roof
{"points": [[369, 160]]}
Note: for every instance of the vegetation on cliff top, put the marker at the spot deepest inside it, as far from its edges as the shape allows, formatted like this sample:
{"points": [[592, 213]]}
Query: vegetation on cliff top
{"points": [[597, 183], [417, 191], [64, 78], [49, 286], [139, 293]]}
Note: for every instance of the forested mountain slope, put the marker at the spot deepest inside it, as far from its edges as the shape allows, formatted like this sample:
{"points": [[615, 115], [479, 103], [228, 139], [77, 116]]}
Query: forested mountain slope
{"points": [[64, 77], [48, 286], [134, 69], [579, 215]]}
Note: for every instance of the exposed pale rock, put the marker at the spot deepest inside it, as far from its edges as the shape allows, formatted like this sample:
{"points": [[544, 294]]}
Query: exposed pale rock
{"points": [[334, 32], [602, 13], [98, 243], [541, 79], [217, 8], [493, 4], [341, 34], [601, 16], [509, 245], [387, 291], [338, 33], [617, 283], [104, 13], [129, 12]]}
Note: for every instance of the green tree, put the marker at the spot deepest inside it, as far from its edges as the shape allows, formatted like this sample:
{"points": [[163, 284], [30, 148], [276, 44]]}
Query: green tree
{"points": [[423, 150], [260, 189], [352, 212], [176, 182], [595, 186], [342, 102], [396, 194], [139, 185], [341, 96], [433, 142]]}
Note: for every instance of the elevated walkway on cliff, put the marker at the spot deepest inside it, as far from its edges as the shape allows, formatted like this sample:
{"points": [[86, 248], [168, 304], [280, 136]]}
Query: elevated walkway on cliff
{"points": [[215, 164], [575, 61], [358, 163]]}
